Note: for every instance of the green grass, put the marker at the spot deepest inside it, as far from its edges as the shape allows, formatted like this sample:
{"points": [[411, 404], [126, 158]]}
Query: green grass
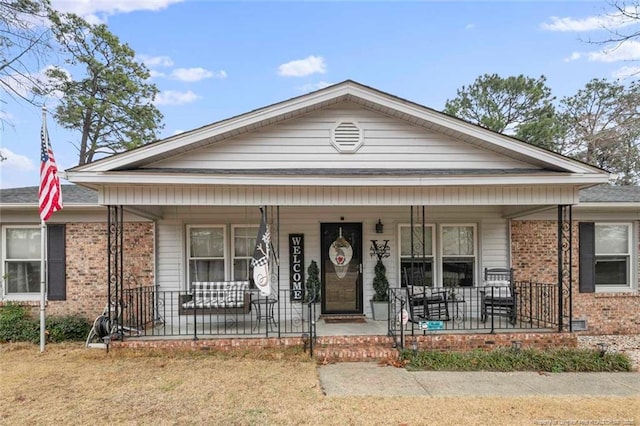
{"points": [[552, 360]]}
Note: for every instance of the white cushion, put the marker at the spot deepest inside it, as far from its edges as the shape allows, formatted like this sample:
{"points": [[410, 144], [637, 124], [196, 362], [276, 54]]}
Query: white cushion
{"points": [[497, 288]]}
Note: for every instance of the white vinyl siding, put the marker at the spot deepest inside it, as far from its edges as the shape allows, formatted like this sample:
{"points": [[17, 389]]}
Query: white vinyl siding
{"points": [[172, 267], [306, 143]]}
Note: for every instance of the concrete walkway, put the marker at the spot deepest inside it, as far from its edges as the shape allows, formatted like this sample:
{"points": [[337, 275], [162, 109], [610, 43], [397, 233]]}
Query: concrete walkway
{"points": [[371, 379]]}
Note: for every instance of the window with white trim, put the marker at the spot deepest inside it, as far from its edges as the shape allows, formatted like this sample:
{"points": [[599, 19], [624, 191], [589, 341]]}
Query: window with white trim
{"points": [[206, 249], [244, 242], [21, 260], [458, 250], [420, 266], [613, 247]]}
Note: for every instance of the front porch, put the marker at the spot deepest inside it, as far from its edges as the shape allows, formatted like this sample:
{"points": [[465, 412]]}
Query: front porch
{"points": [[148, 314]]}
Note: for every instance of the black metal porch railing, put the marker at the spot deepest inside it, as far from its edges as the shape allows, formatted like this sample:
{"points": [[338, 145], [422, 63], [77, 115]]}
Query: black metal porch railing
{"points": [[148, 312], [443, 310]]}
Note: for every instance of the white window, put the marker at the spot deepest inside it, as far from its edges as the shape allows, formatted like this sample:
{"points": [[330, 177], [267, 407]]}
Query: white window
{"points": [[613, 254], [21, 260], [458, 243], [420, 266], [244, 242], [206, 252]]}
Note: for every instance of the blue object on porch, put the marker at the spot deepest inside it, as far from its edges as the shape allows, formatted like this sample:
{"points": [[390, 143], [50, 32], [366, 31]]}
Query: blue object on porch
{"points": [[431, 325], [264, 310]]}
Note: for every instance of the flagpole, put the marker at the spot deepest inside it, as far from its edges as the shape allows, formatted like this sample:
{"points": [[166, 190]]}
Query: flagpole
{"points": [[43, 274], [43, 279]]}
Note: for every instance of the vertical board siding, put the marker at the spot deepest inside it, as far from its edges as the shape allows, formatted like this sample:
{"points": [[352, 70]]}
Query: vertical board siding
{"points": [[305, 142], [301, 195]]}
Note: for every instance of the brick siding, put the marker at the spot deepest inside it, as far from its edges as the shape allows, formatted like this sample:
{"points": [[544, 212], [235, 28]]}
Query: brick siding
{"points": [[534, 258], [86, 267]]}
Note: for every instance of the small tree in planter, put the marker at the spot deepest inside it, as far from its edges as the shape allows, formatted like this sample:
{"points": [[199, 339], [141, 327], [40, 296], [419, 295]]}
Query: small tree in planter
{"points": [[380, 283], [379, 303], [313, 283]]}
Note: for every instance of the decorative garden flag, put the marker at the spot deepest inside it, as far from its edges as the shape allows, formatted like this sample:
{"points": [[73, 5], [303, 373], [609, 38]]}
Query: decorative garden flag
{"points": [[260, 261]]}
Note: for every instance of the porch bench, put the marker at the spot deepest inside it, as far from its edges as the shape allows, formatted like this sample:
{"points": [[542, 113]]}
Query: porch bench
{"points": [[216, 297]]}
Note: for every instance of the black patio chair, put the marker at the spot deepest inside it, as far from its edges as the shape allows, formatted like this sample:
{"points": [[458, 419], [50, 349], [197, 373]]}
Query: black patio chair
{"points": [[424, 302], [498, 296]]}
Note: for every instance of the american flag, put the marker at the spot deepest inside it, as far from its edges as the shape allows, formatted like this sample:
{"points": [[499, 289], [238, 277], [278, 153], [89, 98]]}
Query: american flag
{"points": [[50, 195]]}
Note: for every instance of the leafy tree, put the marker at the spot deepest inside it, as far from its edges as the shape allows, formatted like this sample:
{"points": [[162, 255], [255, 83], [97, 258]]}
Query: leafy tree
{"points": [[111, 104], [24, 45], [603, 127], [521, 106]]}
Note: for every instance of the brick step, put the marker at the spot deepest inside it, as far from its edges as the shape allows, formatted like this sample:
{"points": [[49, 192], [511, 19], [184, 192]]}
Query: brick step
{"points": [[330, 349]]}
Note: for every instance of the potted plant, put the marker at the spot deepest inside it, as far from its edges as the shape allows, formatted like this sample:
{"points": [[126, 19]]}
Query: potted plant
{"points": [[312, 291], [380, 301], [312, 287]]}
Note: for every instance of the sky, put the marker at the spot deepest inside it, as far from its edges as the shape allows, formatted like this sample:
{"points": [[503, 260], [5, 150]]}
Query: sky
{"points": [[212, 60]]}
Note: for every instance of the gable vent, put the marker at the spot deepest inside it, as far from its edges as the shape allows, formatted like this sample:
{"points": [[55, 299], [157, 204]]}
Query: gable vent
{"points": [[347, 137]]}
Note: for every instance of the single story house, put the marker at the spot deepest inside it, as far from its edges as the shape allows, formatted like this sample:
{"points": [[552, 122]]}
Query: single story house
{"points": [[346, 175]]}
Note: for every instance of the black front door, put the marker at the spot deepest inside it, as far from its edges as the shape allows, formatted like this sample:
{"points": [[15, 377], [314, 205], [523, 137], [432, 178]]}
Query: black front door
{"points": [[341, 268]]}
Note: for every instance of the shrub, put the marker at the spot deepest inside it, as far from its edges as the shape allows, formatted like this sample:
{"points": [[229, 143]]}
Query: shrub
{"points": [[70, 327], [17, 325], [552, 360]]}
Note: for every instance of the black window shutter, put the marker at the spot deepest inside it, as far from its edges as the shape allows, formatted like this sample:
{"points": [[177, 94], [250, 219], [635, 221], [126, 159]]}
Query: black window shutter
{"points": [[56, 271], [587, 257]]}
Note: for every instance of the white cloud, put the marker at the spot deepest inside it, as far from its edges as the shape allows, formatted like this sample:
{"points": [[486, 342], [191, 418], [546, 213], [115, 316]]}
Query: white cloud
{"points": [[155, 61], [15, 161], [625, 51], [626, 72], [156, 74], [177, 132], [590, 23], [196, 74], [469, 26], [314, 86], [302, 67], [574, 57], [173, 97], [95, 11]]}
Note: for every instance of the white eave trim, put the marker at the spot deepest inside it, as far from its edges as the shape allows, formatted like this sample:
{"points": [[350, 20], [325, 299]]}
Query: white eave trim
{"points": [[393, 181], [610, 204]]}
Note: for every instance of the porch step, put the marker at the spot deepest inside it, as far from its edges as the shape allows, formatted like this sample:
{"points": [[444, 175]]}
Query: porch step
{"points": [[332, 349]]}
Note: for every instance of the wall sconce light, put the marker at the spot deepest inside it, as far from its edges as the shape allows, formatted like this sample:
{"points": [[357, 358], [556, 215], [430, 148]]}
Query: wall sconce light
{"points": [[379, 227], [602, 346]]}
